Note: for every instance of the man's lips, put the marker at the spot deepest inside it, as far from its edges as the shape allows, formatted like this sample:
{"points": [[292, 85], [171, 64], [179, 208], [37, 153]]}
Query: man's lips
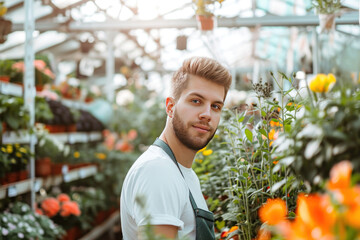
{"points": [[202, 127]]}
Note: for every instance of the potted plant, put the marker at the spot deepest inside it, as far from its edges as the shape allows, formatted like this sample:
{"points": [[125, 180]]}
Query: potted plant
{"points": [[204, 13], [13, 112], [47, 150], [327, 11], [6, 70], [43, 74], [64, 212]]}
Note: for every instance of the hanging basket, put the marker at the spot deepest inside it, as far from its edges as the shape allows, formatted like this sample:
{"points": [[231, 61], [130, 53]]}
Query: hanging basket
{"points": [[327, 22], [205, 23]]}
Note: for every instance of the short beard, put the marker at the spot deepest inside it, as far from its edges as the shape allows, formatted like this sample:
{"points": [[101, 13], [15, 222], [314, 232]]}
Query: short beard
{"points": [[181, 133]]}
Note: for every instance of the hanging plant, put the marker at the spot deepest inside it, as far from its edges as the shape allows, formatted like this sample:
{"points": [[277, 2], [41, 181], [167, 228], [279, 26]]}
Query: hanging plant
{"points": [[327, 10], [204, 10]]}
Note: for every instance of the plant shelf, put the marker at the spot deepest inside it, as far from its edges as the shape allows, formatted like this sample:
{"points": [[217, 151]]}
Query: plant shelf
{"points": [[12, 137], [11, 89], [17, 188], [23, 137]]}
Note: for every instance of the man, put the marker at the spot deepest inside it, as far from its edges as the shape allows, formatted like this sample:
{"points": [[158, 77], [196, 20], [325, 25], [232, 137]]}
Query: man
{"points": [[198, 92]]}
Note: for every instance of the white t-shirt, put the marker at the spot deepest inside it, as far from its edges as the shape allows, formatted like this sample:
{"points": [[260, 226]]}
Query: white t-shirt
{"points": [[157, 180]]}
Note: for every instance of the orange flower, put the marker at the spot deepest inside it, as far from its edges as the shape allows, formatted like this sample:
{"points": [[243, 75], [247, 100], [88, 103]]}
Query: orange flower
{"points": [[132, 134], [275, 124], [348, 196], [316, 212], [340, 175], [62, 197], [124, 146], [50, 206], [70, 208], [273, 211], [39, 211], [352, 216], [224, 234]]}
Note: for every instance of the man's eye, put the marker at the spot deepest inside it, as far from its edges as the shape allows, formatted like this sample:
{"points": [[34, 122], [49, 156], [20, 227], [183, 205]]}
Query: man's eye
{"points": [[195, 101], [217, 107]]}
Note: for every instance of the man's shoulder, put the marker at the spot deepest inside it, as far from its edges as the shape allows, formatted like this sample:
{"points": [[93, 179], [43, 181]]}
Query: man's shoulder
{"points": [[153, 160]]}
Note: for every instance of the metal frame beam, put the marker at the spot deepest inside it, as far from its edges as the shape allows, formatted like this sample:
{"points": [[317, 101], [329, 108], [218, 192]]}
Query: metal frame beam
{"points": [[351, 18]]}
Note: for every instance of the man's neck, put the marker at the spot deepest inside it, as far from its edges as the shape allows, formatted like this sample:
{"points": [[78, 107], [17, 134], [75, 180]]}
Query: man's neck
{"points": [[184, 155]]}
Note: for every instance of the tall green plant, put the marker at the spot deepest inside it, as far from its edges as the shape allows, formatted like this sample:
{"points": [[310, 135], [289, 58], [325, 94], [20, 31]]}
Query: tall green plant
{"points": [[240, 177]]}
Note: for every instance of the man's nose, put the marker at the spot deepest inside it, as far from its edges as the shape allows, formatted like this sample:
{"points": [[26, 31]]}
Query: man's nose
{"points": [[205, 113]]}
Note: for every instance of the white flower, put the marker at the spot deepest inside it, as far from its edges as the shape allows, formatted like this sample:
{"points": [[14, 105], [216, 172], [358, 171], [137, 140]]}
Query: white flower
{"points": [[41, 231], [11, 226], [4, 219], [4, 231], [21, 224], [29, 229], [24, 208], [20, 235]]}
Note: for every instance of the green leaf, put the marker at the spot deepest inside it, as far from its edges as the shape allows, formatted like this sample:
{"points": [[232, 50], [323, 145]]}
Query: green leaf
{"points": [[249, 135]]}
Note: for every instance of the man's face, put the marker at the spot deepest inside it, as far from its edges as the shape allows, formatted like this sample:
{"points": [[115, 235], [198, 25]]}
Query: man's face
{"points": [[197, 112]]}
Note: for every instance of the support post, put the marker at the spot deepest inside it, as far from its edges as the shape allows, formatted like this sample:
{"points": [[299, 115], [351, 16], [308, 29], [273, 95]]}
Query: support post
{"points": [[29, 85], [110, 66]]}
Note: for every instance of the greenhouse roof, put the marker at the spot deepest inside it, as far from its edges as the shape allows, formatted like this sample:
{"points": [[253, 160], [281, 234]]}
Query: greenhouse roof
{"points": [[271, 35]]}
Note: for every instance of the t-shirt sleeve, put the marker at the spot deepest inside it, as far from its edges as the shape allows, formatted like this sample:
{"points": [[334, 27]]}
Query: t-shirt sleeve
{"points": [[162, 192]]}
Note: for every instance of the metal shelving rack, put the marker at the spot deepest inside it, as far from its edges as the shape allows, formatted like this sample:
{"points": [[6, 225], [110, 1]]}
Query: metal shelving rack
{"points": [[21, 187]]}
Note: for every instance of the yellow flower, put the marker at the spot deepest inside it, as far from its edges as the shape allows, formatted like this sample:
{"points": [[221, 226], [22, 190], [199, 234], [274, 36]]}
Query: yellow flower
{"points": [[13, 161], [322, 83], [201, 150], [76, 154], [101, 156], [198, 160], [18, 154], [9, 149], [3, 149], [207, 152], [23, 150]]}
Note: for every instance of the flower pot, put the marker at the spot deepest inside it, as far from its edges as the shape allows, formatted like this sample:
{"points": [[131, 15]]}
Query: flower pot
{"points": [[3, 180], [43, 167], [72, 234], [205, 23], [39, 88], [327, 22], [23, 174], [12, 177], [55, 128], [5, 79], [59, 168], [71, 128], [3, 126]]}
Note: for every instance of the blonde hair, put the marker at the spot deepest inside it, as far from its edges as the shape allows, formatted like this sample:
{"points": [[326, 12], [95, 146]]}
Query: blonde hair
{"points": [[203, 67]]}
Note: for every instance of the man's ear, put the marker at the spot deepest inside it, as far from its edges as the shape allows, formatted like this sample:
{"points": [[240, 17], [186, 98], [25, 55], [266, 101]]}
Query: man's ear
{"points": [[170, 106]]}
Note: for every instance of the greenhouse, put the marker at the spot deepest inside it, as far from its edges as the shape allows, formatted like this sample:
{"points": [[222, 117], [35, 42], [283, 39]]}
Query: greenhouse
{"points": [[189, 119]]}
